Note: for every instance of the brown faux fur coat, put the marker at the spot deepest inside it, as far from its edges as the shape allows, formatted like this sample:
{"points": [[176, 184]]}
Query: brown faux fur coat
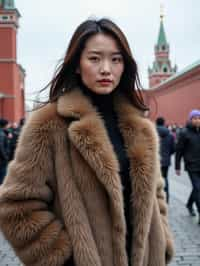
{"points": [[62, 194]]}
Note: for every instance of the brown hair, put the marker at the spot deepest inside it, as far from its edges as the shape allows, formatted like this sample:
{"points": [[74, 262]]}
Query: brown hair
{"points": [[66, 77]]}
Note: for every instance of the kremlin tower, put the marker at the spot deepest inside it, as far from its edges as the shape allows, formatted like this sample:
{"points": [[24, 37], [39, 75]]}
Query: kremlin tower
{"points": [[161, 69], [12, 74]]}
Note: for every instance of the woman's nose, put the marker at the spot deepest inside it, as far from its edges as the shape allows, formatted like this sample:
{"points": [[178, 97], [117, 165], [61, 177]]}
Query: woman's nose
{"points": [[105, 68]]}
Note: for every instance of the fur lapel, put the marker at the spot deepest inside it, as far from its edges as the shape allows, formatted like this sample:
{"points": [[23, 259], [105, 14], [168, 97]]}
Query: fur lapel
{"points": [[87, 132], [141, 142]]}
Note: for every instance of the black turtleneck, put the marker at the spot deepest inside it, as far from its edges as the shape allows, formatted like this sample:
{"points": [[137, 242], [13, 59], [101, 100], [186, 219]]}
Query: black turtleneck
{"points": [[104, 105]]}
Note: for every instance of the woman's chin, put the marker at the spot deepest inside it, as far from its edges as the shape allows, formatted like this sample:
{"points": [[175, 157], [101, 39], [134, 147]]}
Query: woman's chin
{"points": [[104, 90]]}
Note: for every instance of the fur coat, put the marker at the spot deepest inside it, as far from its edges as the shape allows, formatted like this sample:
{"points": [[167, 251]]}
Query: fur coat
{"points": [[62, 194]]}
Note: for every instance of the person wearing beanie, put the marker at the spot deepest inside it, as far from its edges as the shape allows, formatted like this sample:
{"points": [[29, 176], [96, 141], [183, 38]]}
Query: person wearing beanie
{"points": [[188, 147], [194, 114], [3, 149]]}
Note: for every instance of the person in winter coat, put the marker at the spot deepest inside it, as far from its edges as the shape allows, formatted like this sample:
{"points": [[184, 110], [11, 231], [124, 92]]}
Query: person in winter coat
{"points": [[85, 186], [3, 149], [188, 147], [167, 148], [12, 139]]}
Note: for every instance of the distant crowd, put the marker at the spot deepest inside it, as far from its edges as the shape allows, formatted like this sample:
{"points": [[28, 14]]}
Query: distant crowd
{"points": [[185, 143], [175, 129]]}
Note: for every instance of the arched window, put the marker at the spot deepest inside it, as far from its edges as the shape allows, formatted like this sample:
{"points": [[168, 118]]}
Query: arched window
{"points": [[165, 69]]}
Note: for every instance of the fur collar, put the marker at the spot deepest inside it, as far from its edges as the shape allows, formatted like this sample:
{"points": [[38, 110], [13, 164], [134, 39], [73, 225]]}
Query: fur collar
{"points": [[87, 132]]}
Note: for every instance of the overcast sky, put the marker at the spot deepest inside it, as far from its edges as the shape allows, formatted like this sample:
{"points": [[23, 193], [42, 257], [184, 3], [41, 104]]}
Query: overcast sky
{"points": [[46, 28]]}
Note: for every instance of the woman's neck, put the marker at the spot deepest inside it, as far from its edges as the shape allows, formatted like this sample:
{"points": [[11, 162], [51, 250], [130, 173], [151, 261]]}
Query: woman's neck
{"points": [[104, 102]]}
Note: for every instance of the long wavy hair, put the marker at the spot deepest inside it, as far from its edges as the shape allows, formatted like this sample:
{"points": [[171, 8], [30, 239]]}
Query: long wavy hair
{"points": [[66, 78]]}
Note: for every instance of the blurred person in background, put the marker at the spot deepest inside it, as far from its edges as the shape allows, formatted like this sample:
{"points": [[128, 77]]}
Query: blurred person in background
{"points": [[4, 148], [167, 148], [13, 135], [188, 147]]}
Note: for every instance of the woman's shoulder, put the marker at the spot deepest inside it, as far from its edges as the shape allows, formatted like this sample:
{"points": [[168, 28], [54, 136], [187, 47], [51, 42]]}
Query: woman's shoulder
{"points": [[148, 127], [138, 119], [43, 113], [41, 124], [43, 118], [143, 122]]}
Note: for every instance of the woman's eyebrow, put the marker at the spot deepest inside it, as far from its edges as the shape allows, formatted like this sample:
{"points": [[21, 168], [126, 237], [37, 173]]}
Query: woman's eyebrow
{"points": [[94, 52], [100, 52]]}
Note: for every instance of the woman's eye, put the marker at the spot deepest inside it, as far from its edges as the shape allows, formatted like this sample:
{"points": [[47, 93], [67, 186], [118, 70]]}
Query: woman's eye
{"points": [[94, 59], [117, 59]]}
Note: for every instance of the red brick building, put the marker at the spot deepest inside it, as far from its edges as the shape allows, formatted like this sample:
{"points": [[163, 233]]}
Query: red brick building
{"points": [[11, 73], [177, 96], [171, 95]]}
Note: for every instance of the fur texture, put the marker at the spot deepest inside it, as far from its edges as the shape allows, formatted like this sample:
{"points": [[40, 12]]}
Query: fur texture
{"points": [[63, 194]]}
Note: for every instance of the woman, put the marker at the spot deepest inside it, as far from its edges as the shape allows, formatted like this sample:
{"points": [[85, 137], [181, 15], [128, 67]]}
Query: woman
{"points": [[85, 187]]}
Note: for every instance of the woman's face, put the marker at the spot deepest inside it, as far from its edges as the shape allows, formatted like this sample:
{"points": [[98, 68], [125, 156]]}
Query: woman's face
{"points": [[101, 64], [196, 121]]}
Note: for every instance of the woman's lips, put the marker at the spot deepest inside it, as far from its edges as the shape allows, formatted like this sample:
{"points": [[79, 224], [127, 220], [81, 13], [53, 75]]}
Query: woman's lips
{"points": [[105, 82]]}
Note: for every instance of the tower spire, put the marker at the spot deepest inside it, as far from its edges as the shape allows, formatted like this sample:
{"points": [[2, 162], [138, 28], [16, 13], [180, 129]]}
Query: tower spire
{"points": [[162, 40], [161, 12]]}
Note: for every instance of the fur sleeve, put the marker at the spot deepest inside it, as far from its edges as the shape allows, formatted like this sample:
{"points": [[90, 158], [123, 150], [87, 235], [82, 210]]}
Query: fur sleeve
{"points": [[34, 232], [164, 216]]}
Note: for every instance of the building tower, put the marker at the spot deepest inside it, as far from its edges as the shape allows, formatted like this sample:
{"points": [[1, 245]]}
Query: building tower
{"points": [[12, 75], [161, 69]]}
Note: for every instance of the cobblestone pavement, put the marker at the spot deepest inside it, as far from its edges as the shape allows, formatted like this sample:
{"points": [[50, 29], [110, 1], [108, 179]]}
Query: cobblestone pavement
{"points": [[185, 228]]}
